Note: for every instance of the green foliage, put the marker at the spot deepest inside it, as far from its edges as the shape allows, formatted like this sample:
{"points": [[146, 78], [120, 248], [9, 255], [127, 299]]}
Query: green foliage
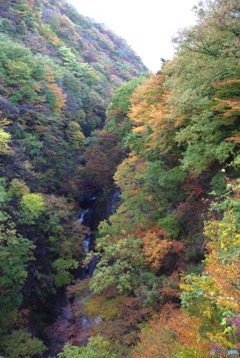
{"points": [[32, 206], [16, 252], [18, 188], [125, 268], [63, 277], [56, 81], [205, 143], [7, 26], [75, 134], [4, 196], [138, 191], [32, 145], [79, 69], [218, 184], [170, 225], [20, 343], [121, 99], [16, 63], [117, 119], [180, 128], [203, 75], [216, 290], [97, 347]]}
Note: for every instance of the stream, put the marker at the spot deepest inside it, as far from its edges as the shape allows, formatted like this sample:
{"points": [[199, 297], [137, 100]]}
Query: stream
{"points": [[60, 331]]}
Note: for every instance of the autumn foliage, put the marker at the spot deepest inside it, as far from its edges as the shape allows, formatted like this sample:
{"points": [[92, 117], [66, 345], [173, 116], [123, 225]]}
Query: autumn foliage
{"points": [[156, 163]]}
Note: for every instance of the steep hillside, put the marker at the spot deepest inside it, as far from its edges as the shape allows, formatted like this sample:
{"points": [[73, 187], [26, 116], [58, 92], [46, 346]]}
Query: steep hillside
{"points": [[156, 166], [66, 42], [167, 279], [58, 71]]}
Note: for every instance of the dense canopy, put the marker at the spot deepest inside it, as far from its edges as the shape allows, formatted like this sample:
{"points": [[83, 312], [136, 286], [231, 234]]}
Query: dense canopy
{"points": [[155, 160]]}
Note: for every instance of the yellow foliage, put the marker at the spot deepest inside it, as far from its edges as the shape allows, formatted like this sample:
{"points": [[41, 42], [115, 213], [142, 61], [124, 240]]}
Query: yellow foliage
{"points": [[223, 262], [106, 308], [140, 129], [5, 139], [4, 122], [155, 249], [149, 108], [217, 290]]}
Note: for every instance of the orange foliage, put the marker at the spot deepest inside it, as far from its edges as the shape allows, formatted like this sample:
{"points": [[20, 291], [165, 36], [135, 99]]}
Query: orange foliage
{"points": [[40, 129], [60, 98], [227, 284], [230, 107], [168, 334], [53, 39], [235, 139], [149, 109], [192, 186], [171, 286], [157, 246]]}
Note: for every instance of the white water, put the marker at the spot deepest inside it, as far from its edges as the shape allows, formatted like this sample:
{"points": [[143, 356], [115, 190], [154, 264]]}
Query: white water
{"points": [[81, 219], [66, 316], [86, 321], [87, 240], [86, 243]]}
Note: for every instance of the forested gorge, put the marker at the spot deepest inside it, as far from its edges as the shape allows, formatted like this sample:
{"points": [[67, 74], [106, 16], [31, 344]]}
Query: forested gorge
{"points": [[155, 160]]}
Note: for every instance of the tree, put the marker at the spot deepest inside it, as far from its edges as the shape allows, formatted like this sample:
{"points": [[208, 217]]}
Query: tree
{"points": [[103, 153], [149, 113], [206, 58], [169, 333], [16, 253], [127, 262], [117, 111], [32, 206], [75, 134], [97, 347], [217, 289], [20, 343], [63, 277], [5, 140]]}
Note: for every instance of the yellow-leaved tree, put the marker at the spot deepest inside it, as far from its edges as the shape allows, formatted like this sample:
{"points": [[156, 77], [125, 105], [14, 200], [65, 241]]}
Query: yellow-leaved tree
{"points": [[214, 296]]}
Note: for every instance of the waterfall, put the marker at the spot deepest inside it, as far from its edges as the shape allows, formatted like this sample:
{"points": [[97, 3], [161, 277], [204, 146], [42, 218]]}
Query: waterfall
{"points": [[87, 240], [86, 243], [82, 220], [65, 318], [82, 217]]}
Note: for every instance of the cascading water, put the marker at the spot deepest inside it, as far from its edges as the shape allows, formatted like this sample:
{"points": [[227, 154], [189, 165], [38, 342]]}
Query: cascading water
{"points": [[87, 219], [81, 219], [87, 240]]}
